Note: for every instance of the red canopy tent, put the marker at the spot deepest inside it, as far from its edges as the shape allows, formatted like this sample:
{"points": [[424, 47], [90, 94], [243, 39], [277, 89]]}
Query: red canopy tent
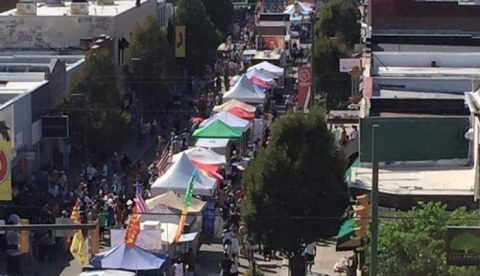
{"points": [[212, 170], [242, 113]]}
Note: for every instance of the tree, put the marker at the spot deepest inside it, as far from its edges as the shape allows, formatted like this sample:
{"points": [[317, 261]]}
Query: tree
{"points": [[152, 62], [201, 38], [414, 242], [295, 189], [221, 14], [94, 107], [330, 81], [340, 18]]}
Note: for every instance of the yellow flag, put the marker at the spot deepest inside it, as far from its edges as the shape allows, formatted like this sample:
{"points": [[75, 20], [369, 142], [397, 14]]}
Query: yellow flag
{"points": [[79, 248]]}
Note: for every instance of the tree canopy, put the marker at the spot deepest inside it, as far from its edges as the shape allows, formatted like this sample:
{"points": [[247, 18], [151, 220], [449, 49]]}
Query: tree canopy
{"points": [[414, 242], [152, 62], [295, 189], [201, 36], [221, 14], [336, 32], [94, 106]]}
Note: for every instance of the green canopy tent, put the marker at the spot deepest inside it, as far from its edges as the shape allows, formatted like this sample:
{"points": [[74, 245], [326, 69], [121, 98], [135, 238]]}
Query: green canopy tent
{"points": [[218, 129], [346, 239]]}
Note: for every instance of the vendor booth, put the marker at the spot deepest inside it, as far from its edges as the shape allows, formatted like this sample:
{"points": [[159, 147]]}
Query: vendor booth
{"points": [[235, 103], [217, 145], [229, 119], [270, 68], [202, 155], [130, 258], [177, 177], [246, 91]]}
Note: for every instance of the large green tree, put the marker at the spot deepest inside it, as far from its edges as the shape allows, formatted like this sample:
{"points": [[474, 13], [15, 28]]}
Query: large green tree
{"points": [[414, 242], [336, 31], [152, 62], [201, 36], [94, 107], [330, 81], [221, 14], [295, 189], [340, 18]]}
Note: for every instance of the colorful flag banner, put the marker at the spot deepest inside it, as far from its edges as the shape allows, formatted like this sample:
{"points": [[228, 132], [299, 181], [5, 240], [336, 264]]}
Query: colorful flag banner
{"points": [[5, 162], [79, 248], [186, 205], [162, 162], [133, 229]]}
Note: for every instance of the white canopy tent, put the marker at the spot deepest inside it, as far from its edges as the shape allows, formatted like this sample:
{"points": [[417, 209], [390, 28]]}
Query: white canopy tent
{"points": [[218, 145], [229, 119], [246, 91], [178, 176], [263, 76], [234, 103], [298, 6], [270, 68], [202, 155]]}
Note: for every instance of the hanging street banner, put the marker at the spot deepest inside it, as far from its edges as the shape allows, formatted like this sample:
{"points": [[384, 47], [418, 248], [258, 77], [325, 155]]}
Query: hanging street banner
{"points": [[180, 42], [463, 245], [5, 162]]}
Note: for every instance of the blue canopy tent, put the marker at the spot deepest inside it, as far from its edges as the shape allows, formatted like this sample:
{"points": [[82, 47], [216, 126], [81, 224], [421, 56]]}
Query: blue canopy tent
{"points": [[136, 259]]}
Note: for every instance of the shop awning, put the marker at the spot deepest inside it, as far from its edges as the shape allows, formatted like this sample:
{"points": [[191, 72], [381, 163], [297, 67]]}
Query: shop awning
{"points": [[346, 239], [218, 129]]}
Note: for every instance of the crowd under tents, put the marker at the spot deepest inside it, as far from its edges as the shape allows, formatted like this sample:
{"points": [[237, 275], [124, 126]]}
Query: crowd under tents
{"points": [[177, 177], [229, 119], [234, 103], [218, 129], [129, 258], [246, 91], [270, 68]]}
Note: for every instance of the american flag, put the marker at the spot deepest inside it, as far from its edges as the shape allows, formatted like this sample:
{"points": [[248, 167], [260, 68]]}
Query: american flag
{"points": [[162, 162], [140, 203]]}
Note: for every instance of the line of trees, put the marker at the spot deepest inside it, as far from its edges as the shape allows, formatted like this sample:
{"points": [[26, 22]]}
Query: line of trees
{"points": [[336, 32]]}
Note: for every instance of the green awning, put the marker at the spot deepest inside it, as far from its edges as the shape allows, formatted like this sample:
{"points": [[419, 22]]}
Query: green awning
{"points": [[218, 129], [348, 172], [346, 239]]}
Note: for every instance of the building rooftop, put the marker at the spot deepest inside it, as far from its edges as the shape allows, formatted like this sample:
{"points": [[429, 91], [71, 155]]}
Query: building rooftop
{"points": [[417, 180], [395, 71], [43, 9], [404, 94]]}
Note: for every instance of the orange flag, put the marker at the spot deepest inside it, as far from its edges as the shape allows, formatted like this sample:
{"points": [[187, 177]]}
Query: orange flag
{"points": [[75, 216], [133, 228]]}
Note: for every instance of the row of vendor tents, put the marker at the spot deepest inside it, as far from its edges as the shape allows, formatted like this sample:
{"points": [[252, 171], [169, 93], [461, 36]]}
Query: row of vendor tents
{"points": [[231, 123]]}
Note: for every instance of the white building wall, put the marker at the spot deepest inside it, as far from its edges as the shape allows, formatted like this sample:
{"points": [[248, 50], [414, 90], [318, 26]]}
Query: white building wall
{"points": [[51, 31], [66, 31]]}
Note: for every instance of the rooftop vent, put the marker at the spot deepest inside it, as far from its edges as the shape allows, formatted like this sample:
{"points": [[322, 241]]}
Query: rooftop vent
{"points": [[27, 7], [105, 2], [79, 7], [55, 3]]}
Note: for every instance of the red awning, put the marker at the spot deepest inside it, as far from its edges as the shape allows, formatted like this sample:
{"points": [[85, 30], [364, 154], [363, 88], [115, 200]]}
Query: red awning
{"points": [[239, 112], [212, 170]]}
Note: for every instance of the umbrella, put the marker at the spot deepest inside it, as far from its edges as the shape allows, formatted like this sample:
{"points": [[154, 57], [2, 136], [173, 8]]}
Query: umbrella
{"points": [[196, 120]]}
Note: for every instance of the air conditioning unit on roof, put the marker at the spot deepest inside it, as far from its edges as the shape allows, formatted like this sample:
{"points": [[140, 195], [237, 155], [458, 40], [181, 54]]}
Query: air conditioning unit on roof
{"points": [[27, 8]]}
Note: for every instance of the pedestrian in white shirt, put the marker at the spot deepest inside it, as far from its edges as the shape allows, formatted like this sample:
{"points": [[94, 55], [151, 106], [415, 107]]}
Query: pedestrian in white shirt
{"points": [[338, 135], [354, 133]]}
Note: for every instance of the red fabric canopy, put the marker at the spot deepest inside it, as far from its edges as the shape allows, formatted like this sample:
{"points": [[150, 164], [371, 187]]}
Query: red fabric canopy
{"points": [[212, 170], [242, 113]]}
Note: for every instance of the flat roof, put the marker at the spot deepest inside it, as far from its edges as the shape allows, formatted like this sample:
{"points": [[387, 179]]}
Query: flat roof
{"points": [[43, 9], [418, 180], [404, 94], [388, 47], [428, 71]]}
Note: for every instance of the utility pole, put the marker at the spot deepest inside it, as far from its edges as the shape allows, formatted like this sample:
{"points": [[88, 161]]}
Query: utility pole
{"points": [[374, 226]]}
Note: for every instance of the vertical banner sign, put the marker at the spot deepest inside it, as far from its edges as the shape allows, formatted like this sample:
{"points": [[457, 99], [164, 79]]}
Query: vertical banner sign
{"points": [[180, 41], [5, 162]]}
